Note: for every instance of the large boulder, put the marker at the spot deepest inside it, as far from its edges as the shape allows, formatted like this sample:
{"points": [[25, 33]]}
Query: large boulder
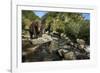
{"points": [[81, 44], [69, 56], [80, 41], [44, 39], [66, 54]]}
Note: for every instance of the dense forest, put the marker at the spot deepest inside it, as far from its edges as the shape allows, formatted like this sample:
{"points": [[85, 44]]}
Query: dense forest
{"points": [[64, 28]]}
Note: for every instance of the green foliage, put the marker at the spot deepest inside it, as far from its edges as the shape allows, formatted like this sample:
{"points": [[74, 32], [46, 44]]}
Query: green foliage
{"points": [[72, 24], [85, 31], [29, 15], [27, 18]]}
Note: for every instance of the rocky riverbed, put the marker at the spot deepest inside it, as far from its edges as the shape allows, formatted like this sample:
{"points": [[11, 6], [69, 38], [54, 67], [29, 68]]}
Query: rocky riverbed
{"points": [[52, 48]]}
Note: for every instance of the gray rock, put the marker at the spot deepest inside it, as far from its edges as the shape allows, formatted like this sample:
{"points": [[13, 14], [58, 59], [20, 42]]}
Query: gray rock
{"points": [[80, 41], [81, 47], [69, 56], [66, 46], [62, 51], [44, 39]]}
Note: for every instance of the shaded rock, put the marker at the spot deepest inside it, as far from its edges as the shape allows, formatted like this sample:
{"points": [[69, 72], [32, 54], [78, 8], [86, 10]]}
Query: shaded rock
{"points": [[66, 38], [54, 38], [82, 57], [29, 51], [81, 47], [81, 44], [82, 54], [53, 46], [66, 46], [69, 56], [80, 41], [55, 34], [63, 35], [48, 37], [60, 52]]}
